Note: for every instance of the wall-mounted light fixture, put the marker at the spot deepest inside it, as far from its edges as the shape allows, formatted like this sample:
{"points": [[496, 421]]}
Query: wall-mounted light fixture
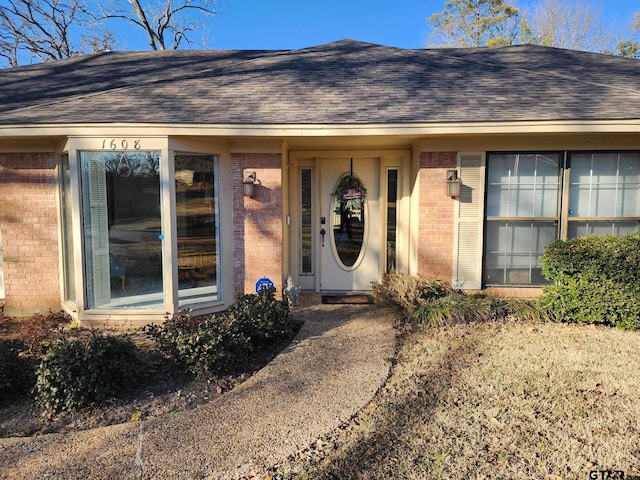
{"points": [[453, 183], [249, 185]]}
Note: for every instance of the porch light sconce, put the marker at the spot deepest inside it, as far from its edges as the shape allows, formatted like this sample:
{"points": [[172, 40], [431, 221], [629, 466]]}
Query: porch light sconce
{"points": [[249, 185], [453, 183]]}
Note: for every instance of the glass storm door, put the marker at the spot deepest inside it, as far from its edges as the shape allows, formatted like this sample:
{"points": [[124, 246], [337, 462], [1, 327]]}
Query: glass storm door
{"points": [[351, 233]]}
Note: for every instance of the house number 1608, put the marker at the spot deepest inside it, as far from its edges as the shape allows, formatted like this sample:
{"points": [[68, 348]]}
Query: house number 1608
{"points": [[117, 144]]}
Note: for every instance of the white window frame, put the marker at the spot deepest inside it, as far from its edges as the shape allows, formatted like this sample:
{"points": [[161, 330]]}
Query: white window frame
{"points": [[531, 220]]}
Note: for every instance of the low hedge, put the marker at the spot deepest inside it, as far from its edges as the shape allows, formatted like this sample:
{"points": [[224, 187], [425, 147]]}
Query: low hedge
{"points": [[76, 373], [262, 317], [202, 345], [594, 280], [616, 257], [219, 341]]}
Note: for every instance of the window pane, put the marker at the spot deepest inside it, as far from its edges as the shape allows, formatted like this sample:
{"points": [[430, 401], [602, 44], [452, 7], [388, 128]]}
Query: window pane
{"points": [[513, 249], [67, 232], [348, 222], [122, 229], [605, 185], [197, 219], [582, 229], [306, 241], [523, 185], [392, 199]]}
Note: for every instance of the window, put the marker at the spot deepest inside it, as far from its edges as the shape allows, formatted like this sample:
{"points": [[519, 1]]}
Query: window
{"points": [[197, 212], [522, 215], [306, 226], [67, 231], [525, 201], [149, 229], [392, 202], [122, 229], [604, 195]]}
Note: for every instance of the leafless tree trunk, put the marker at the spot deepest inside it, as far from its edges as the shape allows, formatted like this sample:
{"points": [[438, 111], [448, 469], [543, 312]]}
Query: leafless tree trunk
{"points": [[46, 30], [166, 23]]}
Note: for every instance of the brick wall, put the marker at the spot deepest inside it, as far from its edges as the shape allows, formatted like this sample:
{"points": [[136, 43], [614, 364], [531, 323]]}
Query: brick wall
{"points": [[257, 222], [435, 243], [29, 232]]}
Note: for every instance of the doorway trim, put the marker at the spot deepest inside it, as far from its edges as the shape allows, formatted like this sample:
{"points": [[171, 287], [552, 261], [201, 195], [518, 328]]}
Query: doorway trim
{"points": [[399, 159]]}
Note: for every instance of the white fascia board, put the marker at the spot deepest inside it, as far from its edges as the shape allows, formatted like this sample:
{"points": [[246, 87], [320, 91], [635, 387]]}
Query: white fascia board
{"points": [[320, 130]]}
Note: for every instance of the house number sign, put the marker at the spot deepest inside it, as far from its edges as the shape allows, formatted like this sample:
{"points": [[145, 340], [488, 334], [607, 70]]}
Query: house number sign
{"points": [[120, 144]]}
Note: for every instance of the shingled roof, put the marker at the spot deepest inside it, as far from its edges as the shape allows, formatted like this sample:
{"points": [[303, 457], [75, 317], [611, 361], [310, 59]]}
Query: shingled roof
{"points": [[346, 82]]}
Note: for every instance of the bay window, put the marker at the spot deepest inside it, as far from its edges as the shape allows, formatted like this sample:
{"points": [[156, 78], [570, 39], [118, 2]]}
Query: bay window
{"points": [[122, 229], [149, 229]]}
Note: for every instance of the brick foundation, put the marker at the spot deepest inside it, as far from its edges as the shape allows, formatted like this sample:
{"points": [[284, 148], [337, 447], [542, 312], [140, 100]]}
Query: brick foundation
{"points": [[435, 242], [257, 222], [29, 232]]}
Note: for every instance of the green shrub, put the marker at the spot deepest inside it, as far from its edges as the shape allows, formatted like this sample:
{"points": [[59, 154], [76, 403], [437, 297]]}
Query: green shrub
{"points": [[201, 344], [219, 341], [588, 298], [616, 257], [594, 280], [76, 373], [16, 369], [262, 317]]}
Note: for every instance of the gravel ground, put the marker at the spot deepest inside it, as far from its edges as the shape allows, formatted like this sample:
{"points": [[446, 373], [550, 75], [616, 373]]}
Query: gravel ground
{"points": [[331, 370]]}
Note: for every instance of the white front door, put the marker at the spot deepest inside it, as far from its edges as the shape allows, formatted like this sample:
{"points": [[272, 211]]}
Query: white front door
{"points": [[340, 246], [351, 239]]}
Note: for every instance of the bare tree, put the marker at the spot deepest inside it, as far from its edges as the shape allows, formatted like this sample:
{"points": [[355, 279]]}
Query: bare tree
{"points": [[166, 23], [572, 24], [45, 30], [473, 23], [630, 47]]}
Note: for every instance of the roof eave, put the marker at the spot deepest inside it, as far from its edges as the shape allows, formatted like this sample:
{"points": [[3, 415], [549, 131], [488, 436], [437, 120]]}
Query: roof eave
{"points": [[323, 130]]}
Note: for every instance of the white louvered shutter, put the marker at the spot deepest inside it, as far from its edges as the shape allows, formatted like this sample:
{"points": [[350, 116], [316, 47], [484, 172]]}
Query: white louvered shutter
{"points": [[99, 231], [468, 223]]}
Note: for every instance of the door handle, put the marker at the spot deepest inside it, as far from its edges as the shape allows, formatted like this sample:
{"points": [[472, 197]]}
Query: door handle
{"points": [[323, 232]]}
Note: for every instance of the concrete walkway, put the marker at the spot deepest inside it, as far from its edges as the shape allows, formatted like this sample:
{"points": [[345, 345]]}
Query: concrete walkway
{"points": [[332, 369]]}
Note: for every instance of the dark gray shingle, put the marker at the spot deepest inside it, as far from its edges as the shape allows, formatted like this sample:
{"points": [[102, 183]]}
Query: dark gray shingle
{"points": [[338, 83]]}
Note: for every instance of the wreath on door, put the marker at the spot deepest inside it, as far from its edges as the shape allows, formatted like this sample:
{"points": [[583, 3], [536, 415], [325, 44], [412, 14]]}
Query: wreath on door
{"points": [[351, 192]]}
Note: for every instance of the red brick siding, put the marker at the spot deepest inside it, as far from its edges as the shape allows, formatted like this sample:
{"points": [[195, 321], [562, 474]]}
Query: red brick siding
{"points": [[28, 223], [257, 222], [435, 242]]}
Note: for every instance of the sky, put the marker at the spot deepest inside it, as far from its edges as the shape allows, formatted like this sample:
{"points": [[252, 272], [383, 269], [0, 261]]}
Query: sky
{"points": [[291, 24]]}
